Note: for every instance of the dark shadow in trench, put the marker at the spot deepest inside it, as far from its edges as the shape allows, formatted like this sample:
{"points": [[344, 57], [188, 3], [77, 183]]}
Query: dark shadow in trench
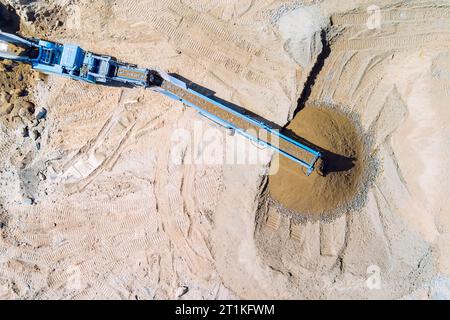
{"points": [[9, 19], [311, 80]]}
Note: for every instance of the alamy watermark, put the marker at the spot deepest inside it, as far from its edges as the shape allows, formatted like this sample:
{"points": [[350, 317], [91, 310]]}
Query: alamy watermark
{"points": [[208, 144], [73, 282], [373, 281], [374, 19]]}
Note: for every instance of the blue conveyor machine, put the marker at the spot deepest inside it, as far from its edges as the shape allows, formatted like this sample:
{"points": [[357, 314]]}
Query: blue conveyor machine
{"points": [[71, 61]]}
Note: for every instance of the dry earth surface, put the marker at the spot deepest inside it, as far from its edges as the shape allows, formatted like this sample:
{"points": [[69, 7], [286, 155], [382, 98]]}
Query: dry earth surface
{"points": [[98, 201]]}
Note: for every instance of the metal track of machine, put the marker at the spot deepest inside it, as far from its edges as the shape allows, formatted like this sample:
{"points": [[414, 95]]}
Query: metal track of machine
{"points": [[74, 62]]}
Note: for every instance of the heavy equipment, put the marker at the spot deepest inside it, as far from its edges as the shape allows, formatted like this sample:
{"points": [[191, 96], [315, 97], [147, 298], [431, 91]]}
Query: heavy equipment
{"points": [[73, 62]]}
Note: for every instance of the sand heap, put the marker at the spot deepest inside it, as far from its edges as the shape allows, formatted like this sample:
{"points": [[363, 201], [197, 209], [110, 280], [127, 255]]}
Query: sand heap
{"points": [[337, 183]]}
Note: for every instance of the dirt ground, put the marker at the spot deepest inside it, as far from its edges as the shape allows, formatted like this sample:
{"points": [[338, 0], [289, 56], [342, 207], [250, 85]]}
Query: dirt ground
{"points": [[98, 198]]}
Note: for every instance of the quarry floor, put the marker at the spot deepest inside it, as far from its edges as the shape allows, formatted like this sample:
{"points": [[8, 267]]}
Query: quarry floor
{"points": [[100, 199]]}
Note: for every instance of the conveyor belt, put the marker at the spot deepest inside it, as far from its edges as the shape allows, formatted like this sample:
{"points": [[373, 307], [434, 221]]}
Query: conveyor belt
{"points": [[245, 125], [131, 74]]}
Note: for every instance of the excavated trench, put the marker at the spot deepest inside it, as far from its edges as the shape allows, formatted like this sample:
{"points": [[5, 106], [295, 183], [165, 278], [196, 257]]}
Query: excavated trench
{"points": [[9, 20], [337, 182]]}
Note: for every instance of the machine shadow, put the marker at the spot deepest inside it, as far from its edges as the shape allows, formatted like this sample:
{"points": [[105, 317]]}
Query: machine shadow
{"points": [[331, 162], [9, 19]]}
